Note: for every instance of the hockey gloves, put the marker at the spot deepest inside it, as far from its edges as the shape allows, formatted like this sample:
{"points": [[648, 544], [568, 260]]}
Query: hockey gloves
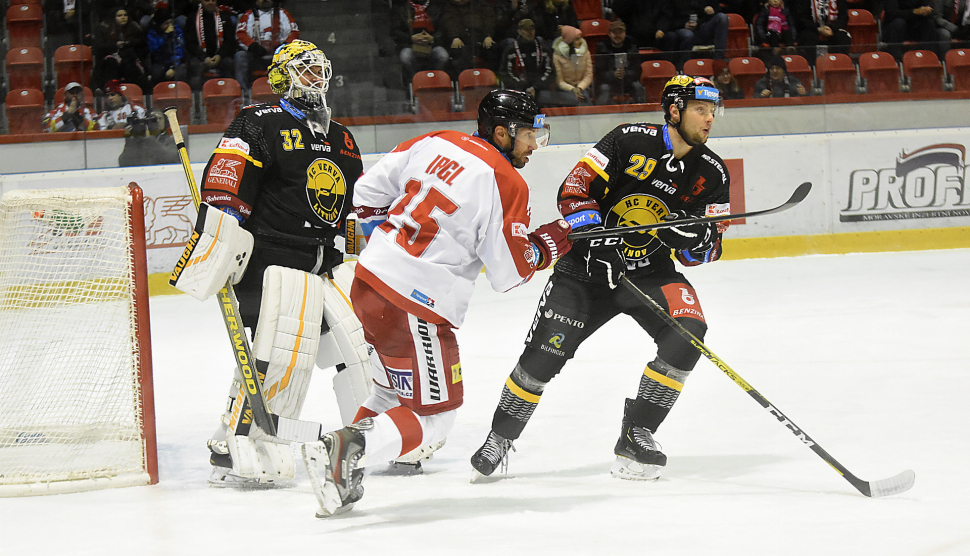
{"points": [[604, 258], [550, 242], [692, 237]]}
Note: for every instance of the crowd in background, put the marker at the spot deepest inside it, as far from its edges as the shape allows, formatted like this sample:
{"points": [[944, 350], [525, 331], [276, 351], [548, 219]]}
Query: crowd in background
{"points": [[531, 45]]}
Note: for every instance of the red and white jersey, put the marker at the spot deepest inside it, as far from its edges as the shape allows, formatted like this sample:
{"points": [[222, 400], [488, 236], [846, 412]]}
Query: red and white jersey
{"points": [[455, 205], [264, 26]]}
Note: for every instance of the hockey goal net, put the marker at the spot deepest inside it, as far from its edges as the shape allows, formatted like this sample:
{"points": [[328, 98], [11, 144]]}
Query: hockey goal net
{"points": [[76, 402]]}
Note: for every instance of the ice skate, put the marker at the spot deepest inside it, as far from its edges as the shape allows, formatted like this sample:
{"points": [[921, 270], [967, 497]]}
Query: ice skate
{"points": [[410, 463], [222, 476], [335, 467], [638, 456], [491, 455]]}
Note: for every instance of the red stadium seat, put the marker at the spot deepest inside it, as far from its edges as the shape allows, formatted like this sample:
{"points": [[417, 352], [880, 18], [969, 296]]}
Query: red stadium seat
{"points": [[88, 97], [262, 93], [24, 25], [588, 9], [923, 70], [739, 37], [799, 68], [25, 111], [654, 74], [958, 66], [222, 99], [174, 93], [836, 73], [747, 70], [880, 71], [133, 93], [34, 2], [72, 62], [864, 30], [432, 92], [25, 68], [594, 31], [474, 84], [699, 66]]}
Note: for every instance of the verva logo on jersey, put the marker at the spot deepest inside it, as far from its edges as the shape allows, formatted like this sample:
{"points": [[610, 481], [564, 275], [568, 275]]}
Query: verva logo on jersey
{"points": [[326, 189]]}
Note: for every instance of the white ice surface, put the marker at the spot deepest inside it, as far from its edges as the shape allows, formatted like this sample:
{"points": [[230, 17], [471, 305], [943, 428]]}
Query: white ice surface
{"points": [[866, 353]]}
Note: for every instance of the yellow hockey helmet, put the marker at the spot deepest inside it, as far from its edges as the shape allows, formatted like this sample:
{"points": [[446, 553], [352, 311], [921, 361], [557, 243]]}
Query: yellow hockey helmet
{"points": [[300, 70]]}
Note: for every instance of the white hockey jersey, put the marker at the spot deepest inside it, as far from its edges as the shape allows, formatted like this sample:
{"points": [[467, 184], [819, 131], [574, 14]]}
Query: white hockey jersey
{"points": [[456, 205]]}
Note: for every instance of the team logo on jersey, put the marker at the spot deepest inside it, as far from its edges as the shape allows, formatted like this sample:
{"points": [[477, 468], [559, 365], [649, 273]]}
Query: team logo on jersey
{"points": [[326, 189], [637, 210]]}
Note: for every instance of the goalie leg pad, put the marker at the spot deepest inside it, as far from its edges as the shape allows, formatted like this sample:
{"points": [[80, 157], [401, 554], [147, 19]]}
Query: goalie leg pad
{"points": [[287, 336], [218, 251], [264, 461], [344, 345]]}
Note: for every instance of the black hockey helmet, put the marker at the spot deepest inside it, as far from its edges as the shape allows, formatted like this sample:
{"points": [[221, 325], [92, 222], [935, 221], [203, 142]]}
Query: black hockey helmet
{"points": [[511, 110], [683, 88]]}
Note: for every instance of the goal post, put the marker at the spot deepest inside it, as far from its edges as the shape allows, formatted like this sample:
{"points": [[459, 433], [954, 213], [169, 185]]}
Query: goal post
{"points": [[76, 397]]}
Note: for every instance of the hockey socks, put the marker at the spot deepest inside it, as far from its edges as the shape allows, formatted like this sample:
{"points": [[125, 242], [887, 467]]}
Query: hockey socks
{"points": [[660, 386], [519, 399]]}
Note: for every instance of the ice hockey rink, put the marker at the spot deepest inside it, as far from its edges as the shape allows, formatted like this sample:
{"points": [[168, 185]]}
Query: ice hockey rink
{"points": [[867, 353]]}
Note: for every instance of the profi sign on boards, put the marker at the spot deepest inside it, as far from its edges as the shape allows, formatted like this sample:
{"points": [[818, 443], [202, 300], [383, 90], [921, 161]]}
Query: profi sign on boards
{"points": [[925, 182]]}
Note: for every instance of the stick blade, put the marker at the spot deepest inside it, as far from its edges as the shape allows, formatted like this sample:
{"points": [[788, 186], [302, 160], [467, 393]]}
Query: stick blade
{"points": [[800, 193], [897, 484]]}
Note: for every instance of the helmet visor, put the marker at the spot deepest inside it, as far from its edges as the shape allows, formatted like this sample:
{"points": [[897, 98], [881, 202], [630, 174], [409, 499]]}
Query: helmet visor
{"points": [[538, 134]]}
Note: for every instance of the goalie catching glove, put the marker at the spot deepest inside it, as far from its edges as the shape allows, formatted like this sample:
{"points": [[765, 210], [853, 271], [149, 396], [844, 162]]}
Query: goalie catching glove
{"points": [[691, 237], [218, 250], [550, 242]]}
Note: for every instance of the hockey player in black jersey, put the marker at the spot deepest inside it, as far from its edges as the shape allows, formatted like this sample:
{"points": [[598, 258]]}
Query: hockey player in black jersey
{"points": [[275, 195], [636, 174]]}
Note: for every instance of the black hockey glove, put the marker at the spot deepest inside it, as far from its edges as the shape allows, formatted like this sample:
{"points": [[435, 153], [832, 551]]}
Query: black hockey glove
{"points": [[604, 258], [692, 237]]}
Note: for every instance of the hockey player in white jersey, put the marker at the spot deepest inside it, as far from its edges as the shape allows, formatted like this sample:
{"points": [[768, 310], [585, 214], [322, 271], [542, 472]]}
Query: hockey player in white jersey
{"points": [[440, 208]]}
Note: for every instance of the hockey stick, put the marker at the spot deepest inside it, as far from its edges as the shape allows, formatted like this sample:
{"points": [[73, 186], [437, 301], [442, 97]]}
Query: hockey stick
{"points": [[896, 484], [798, 196], [283, 429]]}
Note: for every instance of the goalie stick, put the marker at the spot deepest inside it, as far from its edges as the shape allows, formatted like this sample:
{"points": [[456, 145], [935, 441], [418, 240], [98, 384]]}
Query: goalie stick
{"points": [[796, 197], [280, 429], [896, 484]]}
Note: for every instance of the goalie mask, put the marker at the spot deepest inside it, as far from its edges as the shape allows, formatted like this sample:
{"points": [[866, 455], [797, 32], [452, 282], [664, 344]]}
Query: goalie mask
{"points": [[300, 73]]}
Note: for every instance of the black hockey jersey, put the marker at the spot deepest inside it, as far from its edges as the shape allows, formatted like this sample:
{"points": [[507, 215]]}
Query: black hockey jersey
{"points": [[630, 178], [277, 175]]}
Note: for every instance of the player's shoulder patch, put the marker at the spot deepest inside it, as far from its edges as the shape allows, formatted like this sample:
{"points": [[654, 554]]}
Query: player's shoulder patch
{"points": [[263, 110]]}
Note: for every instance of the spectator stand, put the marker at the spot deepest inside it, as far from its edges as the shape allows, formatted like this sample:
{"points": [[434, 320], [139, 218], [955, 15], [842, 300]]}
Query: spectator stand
{"points": [[73, 62], [25, 109], [221, 100], [654, 74], [747, 70], [799, 68], [24, 68], [262, 93], [432, 93], [880, 73], [922, 72], [24, 26], [958, 68], [473, 85], [864, 30]]}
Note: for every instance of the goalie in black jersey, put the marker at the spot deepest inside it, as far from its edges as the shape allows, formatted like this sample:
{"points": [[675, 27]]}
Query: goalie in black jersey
{"points": [[636, 174], [276, 193]]}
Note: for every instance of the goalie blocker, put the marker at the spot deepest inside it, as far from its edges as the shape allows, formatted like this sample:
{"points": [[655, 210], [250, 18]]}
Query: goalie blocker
{"points": [[218, 250]]}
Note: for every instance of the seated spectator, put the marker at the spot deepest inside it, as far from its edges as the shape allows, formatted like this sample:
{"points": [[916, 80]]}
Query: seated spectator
{"points": [[647, 22], [469, 33], [775, 26], [71, 114], [258, 33], [119, 50], [211, 43], [574, 70], [617, 64], [117, 108], [777, 83], [419, 37], [821, 23], [913, 20], [551, 16], [695, 23], [726, 83], [166, 46], [953, 19], [526, 64]]}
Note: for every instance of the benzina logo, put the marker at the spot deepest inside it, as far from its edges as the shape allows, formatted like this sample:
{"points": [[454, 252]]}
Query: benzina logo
{"points": [[929, 182]]}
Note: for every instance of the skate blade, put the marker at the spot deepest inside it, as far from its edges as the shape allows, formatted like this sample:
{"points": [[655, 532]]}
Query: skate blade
{"points": [[631, 470], [398, 469], [318, 463], [221, 478], [479, 479]]}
